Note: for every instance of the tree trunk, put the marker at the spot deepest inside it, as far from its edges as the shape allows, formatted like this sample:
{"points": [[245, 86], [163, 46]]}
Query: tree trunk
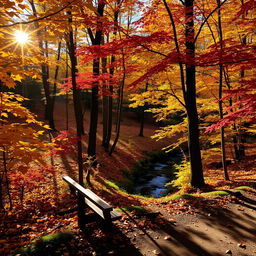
{"points": [[1, 192], [6, 178], [66, 96], [45, 74], [78, 118], [110, 107], [111, 89], [2, 172], [197, 178], [234, 137], [120, 104], [240, 135], [94, 111], [105, 114], [119, 117], [46, 86], [95, 87], [222, 131], [142, 116], [55, 80]]}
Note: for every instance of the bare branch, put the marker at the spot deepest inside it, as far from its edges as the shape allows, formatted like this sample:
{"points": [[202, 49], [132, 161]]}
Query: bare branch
{"points": [[182, 77], [206, 19]]}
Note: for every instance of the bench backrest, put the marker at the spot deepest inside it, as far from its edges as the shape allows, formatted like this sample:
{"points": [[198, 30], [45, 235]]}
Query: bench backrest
{"points": [[91, 199]]}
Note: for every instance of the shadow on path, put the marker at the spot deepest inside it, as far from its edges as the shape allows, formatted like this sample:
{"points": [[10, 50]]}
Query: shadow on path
{"points": [[202, 234], [106, 240]]}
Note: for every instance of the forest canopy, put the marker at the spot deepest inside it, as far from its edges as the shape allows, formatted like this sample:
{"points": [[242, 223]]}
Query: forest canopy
{"points": [[189, 63]]}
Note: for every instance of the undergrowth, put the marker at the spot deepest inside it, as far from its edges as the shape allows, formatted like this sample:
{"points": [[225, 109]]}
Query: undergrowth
{"points": [[46, 245], [182, 175]]}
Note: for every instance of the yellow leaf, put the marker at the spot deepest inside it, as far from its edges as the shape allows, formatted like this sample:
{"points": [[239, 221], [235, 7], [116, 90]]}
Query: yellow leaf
{"points": [[3, 114], [18, 78]]}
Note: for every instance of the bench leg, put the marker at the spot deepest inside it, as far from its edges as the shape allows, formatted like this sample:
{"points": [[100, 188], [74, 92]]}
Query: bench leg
{"points": [[107, 222], [107, 225], [81, 211]]}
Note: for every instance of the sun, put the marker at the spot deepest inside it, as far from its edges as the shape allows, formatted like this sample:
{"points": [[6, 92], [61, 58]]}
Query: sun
{"points": [[21, 37]]}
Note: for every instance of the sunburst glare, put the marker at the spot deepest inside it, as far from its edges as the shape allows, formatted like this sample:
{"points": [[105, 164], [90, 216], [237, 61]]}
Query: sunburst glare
{"points": [[21, 36]]}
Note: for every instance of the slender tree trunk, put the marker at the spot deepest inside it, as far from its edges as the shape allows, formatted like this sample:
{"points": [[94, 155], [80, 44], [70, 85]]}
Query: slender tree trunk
{"points": [[110, 107], [234, 137], [241, 138], [66, 96], [94, 112], [111, 88], [44, 74], [142, 116], [197, 178], [46, 86], [95, 87], [78, 118], [2, 172], [48, 93], [235, 143], [238, 138], [120, 104], [6, 178], [222, 131], [104, 106], [55, 80], [55, 183], [1, 191]]}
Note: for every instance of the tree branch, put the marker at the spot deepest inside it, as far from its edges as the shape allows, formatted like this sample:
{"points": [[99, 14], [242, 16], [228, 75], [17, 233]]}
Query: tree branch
{"points": [[142, 45], [91, 35], [206, 19], [208, 64], [182, 77], [37, 19]]}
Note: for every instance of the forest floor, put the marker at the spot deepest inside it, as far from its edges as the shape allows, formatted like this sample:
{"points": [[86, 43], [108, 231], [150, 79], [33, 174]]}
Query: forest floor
{"points": [[190, 225]]}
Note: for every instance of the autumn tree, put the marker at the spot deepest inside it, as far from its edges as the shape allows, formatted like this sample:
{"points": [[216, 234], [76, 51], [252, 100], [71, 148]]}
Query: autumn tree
{"points": [[21, 145], [21, 142], [20, 136], [189, 56], [45, 41], [188, 83], [96, 39], [240, 56]]}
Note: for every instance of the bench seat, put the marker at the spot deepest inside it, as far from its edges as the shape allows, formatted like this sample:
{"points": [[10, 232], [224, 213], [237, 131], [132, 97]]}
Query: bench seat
{"points": [[94, 202]]}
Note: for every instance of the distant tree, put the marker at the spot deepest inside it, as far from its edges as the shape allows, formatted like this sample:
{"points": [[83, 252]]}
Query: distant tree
{"points": [[96, 39]]}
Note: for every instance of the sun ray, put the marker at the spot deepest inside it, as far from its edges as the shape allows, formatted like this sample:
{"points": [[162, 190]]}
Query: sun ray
{"points": [[8, 45], [20, 42], [21, 36]]}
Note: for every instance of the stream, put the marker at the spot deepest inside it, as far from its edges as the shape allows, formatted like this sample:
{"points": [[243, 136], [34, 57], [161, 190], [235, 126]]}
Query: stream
{"points": [[150, 175], [152, 182]]}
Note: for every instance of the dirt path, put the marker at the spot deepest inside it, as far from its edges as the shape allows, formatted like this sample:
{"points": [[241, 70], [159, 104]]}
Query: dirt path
{"points": [[228, 231], [167, 229]]}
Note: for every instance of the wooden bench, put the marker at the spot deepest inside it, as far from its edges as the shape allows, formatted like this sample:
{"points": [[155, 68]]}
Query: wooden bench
{"points": [[100, 207]]}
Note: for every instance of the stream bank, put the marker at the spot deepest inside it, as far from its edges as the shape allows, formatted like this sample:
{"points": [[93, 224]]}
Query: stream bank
{"points": [[149, 176]]}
